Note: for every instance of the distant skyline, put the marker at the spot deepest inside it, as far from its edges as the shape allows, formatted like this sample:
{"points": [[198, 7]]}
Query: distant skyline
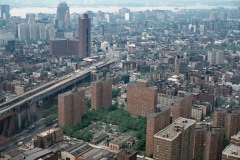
{"points": [[21, 8]]}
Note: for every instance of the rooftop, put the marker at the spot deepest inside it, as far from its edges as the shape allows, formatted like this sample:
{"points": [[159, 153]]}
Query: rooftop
{"points": [[160, 109], [32, 154], [232, 150], [127, 152], [236, 137], [121, 139], [173, 130], [50, 131], [78, 149], [96, 153]]}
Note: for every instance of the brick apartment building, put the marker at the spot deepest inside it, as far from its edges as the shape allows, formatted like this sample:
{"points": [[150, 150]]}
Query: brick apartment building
{"points": [[84, 46], [208, 142], [101, 94], [175, 141], [141, 99], [156, 121], [126, 154], [63, 47], [182, 106], [213, 143], [229, 119], [71, 107]]}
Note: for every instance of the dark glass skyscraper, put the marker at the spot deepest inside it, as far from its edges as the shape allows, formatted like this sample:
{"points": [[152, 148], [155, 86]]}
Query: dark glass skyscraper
{"points": [[4, 12], [84, 48], [62, 10]]}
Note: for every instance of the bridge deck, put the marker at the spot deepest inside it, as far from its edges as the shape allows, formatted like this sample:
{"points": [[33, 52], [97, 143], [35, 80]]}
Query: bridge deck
{"points": [[42, 90]]}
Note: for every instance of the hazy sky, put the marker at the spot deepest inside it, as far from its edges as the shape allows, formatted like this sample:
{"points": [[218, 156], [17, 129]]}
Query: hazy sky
{"points": [[53, 3], [21, 7]]}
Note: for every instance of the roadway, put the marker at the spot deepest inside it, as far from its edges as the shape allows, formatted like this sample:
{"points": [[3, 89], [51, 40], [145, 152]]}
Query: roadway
{"points": [[48, 88], [25, 136]]}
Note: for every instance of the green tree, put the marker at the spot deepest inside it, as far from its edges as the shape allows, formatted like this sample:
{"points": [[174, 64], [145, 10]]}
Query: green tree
{"points": [[88, 102], [115, 92], [50, 119], [225, 142]]}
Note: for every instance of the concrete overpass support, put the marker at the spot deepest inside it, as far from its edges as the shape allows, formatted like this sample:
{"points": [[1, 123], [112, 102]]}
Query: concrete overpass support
{"points": [[12, 125], [8, 125], [26, 116], [19, 120]]}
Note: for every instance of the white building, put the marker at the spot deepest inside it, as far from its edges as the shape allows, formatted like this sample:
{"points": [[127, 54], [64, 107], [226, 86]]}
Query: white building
{"points": [[202, 29], [23, 34], [219, 57], [5, 37], [33, 32], [215, 57], [42, 31]]}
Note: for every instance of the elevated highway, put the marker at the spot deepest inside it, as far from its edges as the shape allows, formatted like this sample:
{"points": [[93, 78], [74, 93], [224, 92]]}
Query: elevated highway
{"points": [[33, 96]]}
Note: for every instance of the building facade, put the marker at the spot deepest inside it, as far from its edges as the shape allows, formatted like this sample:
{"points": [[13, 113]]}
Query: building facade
{"points": [[182, 106], [141, 99], [4, 12], [175, 142], [156, 121], [63, 47], [62, 10], [84, 48], [127, 154], [48, 138], [101, 94], [71, 107], [229, 119], [213, 143]]}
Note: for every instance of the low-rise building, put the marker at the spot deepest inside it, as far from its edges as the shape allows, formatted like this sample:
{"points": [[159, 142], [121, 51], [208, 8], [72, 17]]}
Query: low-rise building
{"points": [[127, 154], [48, 138], [118, 143]]}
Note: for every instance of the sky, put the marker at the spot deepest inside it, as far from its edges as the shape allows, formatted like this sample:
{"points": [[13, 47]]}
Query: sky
{"points": [[127, 3], [21, 7]]}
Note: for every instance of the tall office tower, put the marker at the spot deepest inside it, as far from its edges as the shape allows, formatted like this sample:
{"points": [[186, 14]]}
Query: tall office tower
{"points": [[23, 33], [212, 16], [156, 121], [232, 152], [84, 36], [175, 142], [33, 31], [31, 19], [71, 107], [213, 143], [42, 32], [223, 16], [180, 66], [62, 9], [101, 94], [176, 65], [141, 99], [67, 21], [182, 106], [4, 12], [50, 33], [202, 29]]}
